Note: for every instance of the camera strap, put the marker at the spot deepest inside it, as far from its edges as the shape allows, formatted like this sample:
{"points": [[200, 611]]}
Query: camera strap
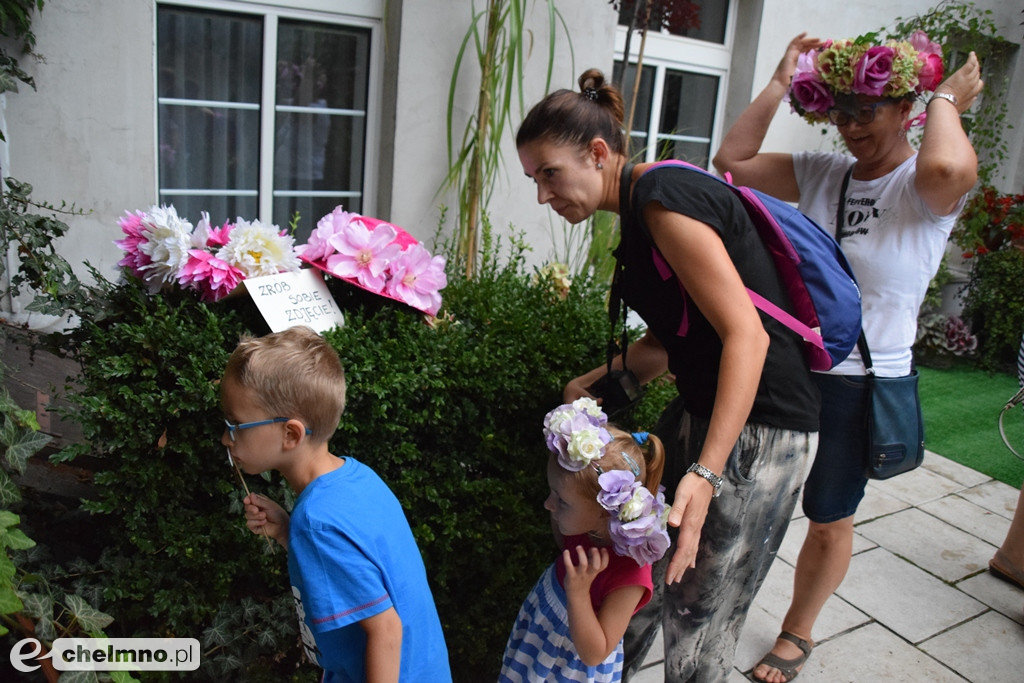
{"points": [[616, 306]]}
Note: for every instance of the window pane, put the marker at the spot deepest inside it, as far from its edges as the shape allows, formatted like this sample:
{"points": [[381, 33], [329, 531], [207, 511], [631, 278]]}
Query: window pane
{"points": [[687, 116], [208, 113], [221, 207], [638, 139], [699, 20], [320, 120], [209, 148]]}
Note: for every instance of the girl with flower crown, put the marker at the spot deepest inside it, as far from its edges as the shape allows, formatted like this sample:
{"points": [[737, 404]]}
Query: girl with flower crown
{"points": [[608, 515], [898, 206]]}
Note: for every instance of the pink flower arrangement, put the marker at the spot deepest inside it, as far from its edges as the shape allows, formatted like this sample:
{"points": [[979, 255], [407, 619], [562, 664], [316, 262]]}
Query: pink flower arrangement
{"points": [[161, 248], [858, 66], [377, 256]]}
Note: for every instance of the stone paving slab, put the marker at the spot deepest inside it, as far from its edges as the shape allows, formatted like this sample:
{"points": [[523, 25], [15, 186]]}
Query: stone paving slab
{"points": [[987, 648], [873, 653], [930, 543], [994, 496], [997, 594], [953, 470], [904, 598], [918, 486], [989, 526], [877, 503]]}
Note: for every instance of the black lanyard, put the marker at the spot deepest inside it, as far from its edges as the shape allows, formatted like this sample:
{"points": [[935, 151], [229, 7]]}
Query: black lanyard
{"points": [[862, 342]]}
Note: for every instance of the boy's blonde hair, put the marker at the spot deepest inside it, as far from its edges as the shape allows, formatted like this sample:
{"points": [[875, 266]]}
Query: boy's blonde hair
{"points": [[294, 373]]}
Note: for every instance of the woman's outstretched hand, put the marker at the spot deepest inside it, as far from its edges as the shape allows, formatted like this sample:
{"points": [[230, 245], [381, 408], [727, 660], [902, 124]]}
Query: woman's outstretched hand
{"points": [[689, 509], [800, 44], [965, 83]]}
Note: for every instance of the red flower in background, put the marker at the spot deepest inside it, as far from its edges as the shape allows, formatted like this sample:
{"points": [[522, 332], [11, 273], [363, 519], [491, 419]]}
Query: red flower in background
{"points": [[991, 221]]}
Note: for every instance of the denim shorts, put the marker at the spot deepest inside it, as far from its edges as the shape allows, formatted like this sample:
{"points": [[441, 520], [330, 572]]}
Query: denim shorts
{"points": [[835, 485]]}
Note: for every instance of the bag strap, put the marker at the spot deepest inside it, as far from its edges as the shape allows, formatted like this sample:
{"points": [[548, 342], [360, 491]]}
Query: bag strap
{"points": [[616, 306], [751, 201], [862, 342]]}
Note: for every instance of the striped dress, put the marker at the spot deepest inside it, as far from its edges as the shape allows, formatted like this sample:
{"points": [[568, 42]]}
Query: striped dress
{"points": [[540, 649]]}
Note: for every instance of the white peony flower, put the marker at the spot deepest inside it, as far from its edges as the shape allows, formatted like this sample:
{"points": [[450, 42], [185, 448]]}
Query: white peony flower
{"points": [[589, 406], [167, 241], [257, 249], [638, 505], [585, 445]]}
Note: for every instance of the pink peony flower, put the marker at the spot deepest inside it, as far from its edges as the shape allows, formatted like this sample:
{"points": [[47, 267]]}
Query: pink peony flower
{"points": [[132, 226], [417, 278], [319, 247], [215, 237], [873, 69], [930, 74], [920, 41], [214, 278], [363, 254]]}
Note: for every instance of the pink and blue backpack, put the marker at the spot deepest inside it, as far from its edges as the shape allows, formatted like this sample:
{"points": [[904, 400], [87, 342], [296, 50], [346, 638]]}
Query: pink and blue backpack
{"points": [[813, 269]]}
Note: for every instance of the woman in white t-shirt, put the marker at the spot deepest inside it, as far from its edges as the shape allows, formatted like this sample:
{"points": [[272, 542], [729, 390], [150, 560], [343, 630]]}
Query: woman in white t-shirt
{"points": [[900, 206]]}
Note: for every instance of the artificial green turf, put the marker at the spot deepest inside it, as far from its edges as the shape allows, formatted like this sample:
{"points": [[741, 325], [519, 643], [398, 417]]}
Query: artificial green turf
{"points": [[961, 406]]}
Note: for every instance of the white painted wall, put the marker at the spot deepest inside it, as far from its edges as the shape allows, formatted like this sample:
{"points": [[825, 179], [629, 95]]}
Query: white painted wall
{"points": [[88, 134], [432, 31]]}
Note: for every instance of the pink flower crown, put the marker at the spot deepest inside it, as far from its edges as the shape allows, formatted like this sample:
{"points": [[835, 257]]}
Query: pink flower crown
{"points": [[576, 433], [858, 66]]}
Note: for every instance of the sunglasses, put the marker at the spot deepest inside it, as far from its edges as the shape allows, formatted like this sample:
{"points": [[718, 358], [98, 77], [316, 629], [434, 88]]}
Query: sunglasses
{"points": [[232, 428], [863, 116]]}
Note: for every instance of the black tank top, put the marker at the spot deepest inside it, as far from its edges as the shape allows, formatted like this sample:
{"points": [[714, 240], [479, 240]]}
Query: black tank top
{"points": [[786, 395]]}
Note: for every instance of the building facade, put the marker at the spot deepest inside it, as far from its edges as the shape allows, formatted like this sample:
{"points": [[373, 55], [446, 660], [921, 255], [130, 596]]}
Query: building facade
{"points": [[262, 109]]}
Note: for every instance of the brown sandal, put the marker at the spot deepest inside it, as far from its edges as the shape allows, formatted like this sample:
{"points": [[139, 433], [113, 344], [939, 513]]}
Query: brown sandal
{"points": [[787, 667], [1002, 569]]}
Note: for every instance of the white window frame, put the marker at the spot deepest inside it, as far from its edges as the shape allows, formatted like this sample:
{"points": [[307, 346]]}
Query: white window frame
{"points": [[663, 52], [366, 14]]}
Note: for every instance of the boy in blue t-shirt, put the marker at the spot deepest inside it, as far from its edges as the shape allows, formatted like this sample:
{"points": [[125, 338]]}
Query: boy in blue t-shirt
{"points": [[365, 609]]}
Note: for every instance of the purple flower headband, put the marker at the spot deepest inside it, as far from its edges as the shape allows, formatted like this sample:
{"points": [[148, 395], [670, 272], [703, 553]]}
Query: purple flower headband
{"points": [[576, 433], [638, 528]]}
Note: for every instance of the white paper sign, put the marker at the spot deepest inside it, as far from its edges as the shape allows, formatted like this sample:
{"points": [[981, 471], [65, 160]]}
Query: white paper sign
{"points": [[289, 299]]}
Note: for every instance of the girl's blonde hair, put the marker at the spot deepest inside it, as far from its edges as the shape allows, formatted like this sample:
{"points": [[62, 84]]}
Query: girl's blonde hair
{"points": [[648, 458]]}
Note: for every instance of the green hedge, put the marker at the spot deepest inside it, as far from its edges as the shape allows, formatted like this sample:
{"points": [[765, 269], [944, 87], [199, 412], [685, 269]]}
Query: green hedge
{"points": [[994, 304], [448, 414]]}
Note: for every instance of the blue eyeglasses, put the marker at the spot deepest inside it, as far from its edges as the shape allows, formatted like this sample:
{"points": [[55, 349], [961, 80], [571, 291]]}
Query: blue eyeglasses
{"points": [[863, 115], [232, 428]]}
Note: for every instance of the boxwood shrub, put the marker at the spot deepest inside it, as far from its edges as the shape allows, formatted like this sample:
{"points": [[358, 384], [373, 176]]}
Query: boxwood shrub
{"points": [[448, 413]]}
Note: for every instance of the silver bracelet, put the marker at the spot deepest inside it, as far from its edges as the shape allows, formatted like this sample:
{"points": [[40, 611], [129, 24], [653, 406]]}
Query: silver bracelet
{"points": [[948, 96], [711, 477]]}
